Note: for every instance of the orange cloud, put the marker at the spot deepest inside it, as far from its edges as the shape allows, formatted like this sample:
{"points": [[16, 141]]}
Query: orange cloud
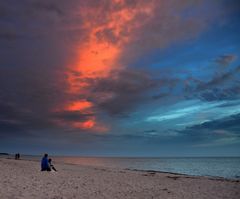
{"points": [[78, 105], [100, 53], [84, 125]]}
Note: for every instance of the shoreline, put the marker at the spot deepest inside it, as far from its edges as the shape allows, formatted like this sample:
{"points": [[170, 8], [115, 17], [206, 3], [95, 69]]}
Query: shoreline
{"points": [[234, 179], [130, 169], [187, 175], [23, 179]]}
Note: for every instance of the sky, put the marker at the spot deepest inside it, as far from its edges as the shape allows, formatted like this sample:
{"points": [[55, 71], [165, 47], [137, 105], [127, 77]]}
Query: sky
{"points": [[120, 77]]}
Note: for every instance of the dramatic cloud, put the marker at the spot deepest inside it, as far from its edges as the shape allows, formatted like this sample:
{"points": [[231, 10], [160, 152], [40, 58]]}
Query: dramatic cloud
{"points": [[97, 70], [224, 131], [219, 80], [231, 123], [122, 91], [225, 60], [222, 86], [231, 93]]}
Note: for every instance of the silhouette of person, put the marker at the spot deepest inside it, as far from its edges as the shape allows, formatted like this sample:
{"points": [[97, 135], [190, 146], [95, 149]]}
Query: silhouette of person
{"points": [[51, 165], [45, 164], [17, 156]]}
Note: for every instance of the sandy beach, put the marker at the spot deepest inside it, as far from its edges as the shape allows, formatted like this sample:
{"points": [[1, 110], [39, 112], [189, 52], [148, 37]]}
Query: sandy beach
{"points": [[22, 179]]}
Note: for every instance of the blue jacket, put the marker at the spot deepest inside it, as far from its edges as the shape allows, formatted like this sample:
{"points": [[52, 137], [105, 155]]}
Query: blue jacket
{"points": [[44, 163]]}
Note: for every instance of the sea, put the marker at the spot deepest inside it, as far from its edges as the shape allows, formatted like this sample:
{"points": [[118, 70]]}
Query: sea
{"points": [[199, 166], [226, 167]]}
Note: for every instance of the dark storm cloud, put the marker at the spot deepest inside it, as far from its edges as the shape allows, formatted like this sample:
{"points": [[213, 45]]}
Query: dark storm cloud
{"points": [[37, 39], [216, 94], [72, 116], [32, 87], [48, 7], [19, 121], [150, 131], [9, 118], [27, 98], [160, 96], [225, 60], [122, 91], [8, 35], [222, 86], [41, 20], [230, 125], [219, 132], [219, 79], [53, 26], [168, 24], [8, 126], [34, 82], [40, 39]]}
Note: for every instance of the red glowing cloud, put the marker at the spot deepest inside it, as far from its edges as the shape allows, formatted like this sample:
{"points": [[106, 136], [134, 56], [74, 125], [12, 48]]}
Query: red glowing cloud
{"points": [[100, 53]]}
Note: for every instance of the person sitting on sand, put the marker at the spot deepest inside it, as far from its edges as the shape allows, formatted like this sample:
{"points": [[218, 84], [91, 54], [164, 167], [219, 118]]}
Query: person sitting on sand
{"points": [[51, 165], [45, 164]]}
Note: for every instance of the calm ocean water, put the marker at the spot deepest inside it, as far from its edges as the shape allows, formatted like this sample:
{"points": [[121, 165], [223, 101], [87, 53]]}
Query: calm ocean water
{"points": [[220, 167], [227, 167]]}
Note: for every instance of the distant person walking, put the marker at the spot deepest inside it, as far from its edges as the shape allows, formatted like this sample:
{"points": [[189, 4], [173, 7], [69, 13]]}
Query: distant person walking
{"points": [[45, 164]]}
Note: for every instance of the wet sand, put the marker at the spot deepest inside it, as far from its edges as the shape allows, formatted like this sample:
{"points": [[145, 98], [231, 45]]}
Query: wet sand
{"points": [[22, 179]]}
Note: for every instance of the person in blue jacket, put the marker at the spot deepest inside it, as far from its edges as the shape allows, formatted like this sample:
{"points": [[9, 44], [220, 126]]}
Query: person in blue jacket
{"points": [[45, 164]]}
